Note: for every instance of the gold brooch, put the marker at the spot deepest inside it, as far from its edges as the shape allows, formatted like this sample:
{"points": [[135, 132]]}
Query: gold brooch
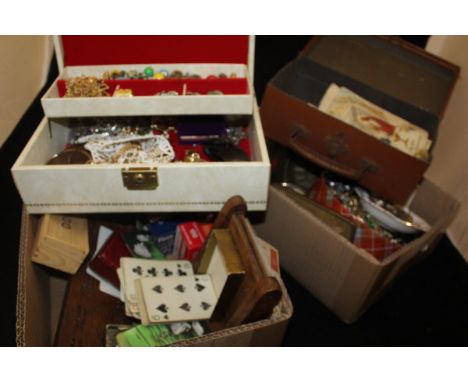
{"points": [[86, 87]]}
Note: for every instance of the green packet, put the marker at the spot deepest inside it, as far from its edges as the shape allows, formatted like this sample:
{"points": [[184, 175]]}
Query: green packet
{"points": [[151, 335]]}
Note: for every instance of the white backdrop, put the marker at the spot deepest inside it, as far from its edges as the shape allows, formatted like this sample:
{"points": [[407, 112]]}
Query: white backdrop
{"points": [[449, 168], [24, 64]]}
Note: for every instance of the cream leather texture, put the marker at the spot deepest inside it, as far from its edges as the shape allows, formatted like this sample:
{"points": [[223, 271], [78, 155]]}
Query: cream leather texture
{"points": [[99, 188]]}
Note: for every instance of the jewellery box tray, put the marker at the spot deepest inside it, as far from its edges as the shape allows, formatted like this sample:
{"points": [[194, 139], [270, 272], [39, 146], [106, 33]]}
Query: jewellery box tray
{"points": [[181, 186], [202, 55]]}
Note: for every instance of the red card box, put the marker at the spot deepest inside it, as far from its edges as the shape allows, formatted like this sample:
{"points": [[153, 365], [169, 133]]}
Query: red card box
{"points": [[189, 241], [106, 262]]}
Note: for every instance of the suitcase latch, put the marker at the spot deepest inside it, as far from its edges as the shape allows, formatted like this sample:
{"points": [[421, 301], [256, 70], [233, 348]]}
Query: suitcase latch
{"points": [[138, 178]]}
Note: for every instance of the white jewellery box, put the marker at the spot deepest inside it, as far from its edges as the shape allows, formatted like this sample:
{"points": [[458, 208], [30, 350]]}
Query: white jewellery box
{"points": [[201, 55], [165, 187]]}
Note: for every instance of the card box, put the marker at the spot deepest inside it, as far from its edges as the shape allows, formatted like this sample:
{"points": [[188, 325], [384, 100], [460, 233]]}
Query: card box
{"points": [[41, 297], [397, 76], [345, 278], [203, 55]]}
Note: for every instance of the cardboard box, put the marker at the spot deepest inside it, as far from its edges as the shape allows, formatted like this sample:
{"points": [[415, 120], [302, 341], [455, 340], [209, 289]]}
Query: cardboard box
{"points": [[202, 55], [41, 293], [397, 76], [181, 186], [343, 277]]}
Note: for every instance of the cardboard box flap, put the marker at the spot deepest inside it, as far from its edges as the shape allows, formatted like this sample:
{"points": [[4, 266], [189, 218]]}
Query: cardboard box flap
{"points": [[110, 50], [389, 65]]}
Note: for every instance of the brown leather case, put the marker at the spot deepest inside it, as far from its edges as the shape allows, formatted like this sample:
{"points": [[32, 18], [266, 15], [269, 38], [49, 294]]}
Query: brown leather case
{"points": [[395, 75]]}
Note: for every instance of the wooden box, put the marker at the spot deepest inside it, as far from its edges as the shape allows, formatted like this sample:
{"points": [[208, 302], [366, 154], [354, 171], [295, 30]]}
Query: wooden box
{"points": [[179, 186], [397, 76]]}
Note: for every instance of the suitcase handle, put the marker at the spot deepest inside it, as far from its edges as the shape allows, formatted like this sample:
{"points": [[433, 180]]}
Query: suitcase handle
{"points": [[327, 162]]}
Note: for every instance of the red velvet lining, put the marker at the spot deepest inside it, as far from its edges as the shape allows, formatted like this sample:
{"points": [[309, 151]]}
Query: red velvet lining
{"points": [[151, 87], [114, 50], [180, 148]]}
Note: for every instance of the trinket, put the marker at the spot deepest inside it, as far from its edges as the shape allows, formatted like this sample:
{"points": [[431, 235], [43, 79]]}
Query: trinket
{"points": [[149, 72], [72, 155], [192, 156], [119, 92], [159, 76], [86, 87]]}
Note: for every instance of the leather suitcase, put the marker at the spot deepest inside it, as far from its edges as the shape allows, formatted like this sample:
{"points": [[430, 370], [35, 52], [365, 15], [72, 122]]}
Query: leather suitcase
{"points": [[393, 74]]}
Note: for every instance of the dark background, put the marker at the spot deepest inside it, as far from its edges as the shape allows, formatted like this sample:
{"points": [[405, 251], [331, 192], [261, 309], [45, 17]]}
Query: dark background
{"points": [[427, 306]]}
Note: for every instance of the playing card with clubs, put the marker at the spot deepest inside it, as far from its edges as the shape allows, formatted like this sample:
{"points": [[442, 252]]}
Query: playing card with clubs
{"points": [[171, 299], [141, 244], [131, 309], [133, 268]]}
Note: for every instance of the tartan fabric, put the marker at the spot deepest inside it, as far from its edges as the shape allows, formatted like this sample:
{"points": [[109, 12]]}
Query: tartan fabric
{"points": [[367, 238]]}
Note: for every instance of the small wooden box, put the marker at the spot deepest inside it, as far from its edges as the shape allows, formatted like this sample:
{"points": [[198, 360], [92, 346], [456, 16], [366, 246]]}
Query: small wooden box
{"points": [[61, 242]]}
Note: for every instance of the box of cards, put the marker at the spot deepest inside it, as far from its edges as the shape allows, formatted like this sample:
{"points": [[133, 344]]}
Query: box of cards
{"points": [[180, 150], [135, 291], [151, 75]]}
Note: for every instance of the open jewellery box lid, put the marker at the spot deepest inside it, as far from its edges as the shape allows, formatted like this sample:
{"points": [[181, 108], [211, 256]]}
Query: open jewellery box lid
{"points": [[120, 50]]}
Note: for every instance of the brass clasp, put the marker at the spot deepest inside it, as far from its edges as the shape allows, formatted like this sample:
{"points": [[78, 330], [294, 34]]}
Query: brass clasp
{"points": [[140, 178]]}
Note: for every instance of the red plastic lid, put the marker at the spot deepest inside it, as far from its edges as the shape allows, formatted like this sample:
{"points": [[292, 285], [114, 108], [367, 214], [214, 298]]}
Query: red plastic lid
{"points": [[115, 50]]}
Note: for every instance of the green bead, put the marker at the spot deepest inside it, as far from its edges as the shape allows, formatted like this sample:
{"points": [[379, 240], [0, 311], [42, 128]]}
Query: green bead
{"points": [[149, 71]]}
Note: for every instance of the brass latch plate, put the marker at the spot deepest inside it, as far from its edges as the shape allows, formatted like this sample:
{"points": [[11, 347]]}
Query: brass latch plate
{"points": [[140, 178]]}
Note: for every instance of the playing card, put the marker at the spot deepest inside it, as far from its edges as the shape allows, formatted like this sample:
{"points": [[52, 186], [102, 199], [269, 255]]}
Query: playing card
{"points": [[269, 257], [104, 285], [108, 288], [108, 258], [131, 310], [163, 233], [141, 244], [171, 299], [122, 284], [141, 303], [133, 268]]}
